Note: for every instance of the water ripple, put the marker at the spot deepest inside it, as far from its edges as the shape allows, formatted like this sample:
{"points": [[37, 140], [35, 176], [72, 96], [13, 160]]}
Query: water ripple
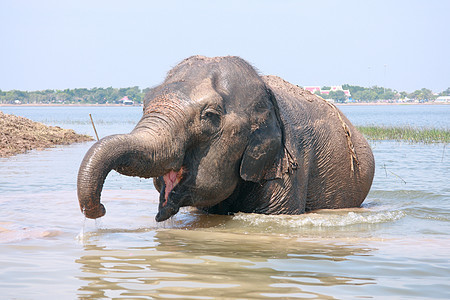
{"points": [[326, 218]]}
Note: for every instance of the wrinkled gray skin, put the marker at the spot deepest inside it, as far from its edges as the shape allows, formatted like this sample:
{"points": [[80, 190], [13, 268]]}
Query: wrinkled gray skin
{"points": [[217, 136]]}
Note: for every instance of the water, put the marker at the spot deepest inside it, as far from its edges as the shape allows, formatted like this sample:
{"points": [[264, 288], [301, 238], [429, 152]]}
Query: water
{"points": [[396, 246], [429, 116]]}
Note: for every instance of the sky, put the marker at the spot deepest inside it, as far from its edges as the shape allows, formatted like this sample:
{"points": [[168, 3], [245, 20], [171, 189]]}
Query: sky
{"points": [[403, 45]]}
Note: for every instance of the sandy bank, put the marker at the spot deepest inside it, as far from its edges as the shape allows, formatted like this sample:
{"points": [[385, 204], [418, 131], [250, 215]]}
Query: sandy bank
{"points": [[18, 135]]}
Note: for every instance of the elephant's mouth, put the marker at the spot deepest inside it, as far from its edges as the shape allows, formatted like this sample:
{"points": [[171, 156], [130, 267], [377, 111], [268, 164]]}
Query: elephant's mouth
{"points": [[171, 196], [171, 179]]}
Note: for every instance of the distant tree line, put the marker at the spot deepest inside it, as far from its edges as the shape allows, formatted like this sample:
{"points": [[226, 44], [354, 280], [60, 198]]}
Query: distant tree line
{"points": [[337, 96], [375, 93], [114, 95], [74, 96]]}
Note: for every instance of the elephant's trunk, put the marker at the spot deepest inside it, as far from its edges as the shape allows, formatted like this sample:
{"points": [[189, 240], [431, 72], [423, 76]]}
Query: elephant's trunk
{"points": [[141, 153]]}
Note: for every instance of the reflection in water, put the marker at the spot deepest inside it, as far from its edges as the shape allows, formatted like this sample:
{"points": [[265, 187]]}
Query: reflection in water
{"points": [[202, 263]]}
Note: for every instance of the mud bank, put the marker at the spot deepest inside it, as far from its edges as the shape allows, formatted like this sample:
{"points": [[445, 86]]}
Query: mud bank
{"points": [[18, 135]]}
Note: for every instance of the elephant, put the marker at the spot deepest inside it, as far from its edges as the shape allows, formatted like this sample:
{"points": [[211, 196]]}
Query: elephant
{"points": [[218, 136]]}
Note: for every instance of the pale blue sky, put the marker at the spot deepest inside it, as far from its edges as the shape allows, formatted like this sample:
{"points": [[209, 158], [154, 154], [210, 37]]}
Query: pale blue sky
{"points": [[60, 44]]}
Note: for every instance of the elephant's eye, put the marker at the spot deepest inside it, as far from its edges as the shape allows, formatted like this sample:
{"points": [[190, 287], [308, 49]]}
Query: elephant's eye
{"points": [[211, 115]]}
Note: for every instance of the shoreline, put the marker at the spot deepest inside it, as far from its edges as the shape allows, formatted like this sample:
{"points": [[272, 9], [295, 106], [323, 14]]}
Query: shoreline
{"points": [[122, 105], [69, 105], [376, 104]]}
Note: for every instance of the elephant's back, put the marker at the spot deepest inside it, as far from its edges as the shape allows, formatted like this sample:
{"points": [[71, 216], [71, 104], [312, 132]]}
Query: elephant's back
{"points": [[287, 88], [340, 165], [303, 111], [294, 101]]}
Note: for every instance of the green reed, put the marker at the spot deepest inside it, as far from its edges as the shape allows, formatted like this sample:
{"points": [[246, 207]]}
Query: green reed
{"points": [[406, 133]]}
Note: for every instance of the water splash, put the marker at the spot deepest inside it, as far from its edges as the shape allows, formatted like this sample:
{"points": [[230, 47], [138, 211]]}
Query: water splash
{"points": [[321, 219], [81, 235], [182, 218], [98, 223], [84, 234]]}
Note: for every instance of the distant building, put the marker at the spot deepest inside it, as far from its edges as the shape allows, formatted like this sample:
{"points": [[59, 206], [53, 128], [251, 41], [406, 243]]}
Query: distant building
{"points": [[312, 89], [126, 101], [334, 88], [442, 99]]}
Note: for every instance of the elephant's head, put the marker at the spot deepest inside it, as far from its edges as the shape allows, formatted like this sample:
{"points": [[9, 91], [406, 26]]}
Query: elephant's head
{"points": [[211, 124]]}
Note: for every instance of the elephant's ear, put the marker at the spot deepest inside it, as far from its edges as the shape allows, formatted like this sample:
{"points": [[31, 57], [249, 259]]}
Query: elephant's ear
{"points": [[264, 154]]}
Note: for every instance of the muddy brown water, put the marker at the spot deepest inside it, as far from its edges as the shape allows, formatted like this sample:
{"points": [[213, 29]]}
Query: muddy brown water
{"points": [[396, 246]]}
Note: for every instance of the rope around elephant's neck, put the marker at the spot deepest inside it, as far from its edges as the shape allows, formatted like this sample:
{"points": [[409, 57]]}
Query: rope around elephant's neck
{"points": [[353, 158]]}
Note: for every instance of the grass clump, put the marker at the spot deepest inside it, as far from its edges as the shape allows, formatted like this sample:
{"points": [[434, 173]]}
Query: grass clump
{"points": [[406, 133]]}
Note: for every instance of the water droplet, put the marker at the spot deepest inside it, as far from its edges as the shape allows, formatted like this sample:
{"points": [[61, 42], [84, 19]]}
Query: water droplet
{"points": [[98, 223]]}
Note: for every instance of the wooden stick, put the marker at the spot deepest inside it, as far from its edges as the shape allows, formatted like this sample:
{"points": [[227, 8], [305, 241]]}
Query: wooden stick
{"points": [[95, 130]]}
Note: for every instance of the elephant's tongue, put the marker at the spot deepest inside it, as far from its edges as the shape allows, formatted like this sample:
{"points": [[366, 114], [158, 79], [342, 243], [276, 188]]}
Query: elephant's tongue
{"points": [[171, 179]]}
